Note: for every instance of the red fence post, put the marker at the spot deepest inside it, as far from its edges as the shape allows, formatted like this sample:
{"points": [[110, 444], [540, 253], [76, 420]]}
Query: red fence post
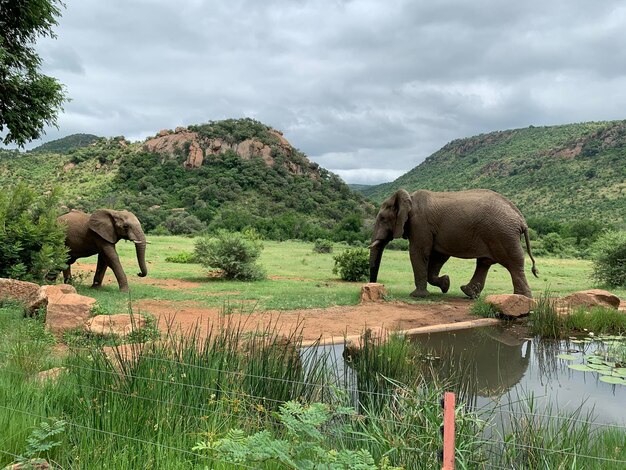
{"points": [[448, 431]]}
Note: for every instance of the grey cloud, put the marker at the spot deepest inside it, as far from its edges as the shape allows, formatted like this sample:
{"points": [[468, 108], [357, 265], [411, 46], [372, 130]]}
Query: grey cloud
{"points": [[366, 88]]}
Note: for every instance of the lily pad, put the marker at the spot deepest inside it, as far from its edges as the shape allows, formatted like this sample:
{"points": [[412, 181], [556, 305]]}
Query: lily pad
{"points": [[619, 371], [567, 357], [613, 380], [600, 367], [581, 367]]}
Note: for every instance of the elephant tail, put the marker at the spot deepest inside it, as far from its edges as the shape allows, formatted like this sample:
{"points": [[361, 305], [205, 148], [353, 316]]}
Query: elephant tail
{"points": [[534, 269]]}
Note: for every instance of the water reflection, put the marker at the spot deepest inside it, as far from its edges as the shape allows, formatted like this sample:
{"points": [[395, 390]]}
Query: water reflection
{"points": [[505, 365]]}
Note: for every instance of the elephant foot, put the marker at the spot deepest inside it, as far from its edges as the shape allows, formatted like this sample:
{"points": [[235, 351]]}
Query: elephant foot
{"points": [[419, 293], [96, 285], [444, 284], [471, 291], [124, 289]]}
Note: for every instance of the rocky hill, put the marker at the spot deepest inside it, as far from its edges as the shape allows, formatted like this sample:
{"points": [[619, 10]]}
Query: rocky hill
{"points": [[224, 174], [569, 172]]}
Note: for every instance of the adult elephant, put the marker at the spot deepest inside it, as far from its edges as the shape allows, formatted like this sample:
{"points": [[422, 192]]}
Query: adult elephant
{"points": [[97, 233], [478, 224]]}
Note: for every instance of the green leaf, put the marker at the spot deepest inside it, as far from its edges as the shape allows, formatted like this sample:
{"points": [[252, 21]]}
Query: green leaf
{"points": [[613, 380], [581, 367], [567, 357]]}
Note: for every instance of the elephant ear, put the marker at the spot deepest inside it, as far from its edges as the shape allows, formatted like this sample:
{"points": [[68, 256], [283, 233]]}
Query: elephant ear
{"points": [[402, 206], [101, 222]]}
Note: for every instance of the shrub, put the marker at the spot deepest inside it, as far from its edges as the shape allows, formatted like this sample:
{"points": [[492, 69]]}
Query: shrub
{"points": [[231, 252], [553, 243], [323, 246], [398, 244], [352, 264], [32, 243], [183, 223], [609, 259], [184, 257]]}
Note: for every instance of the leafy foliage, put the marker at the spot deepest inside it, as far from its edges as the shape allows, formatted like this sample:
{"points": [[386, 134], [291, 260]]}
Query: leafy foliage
{"points": [[32, 243], [556, 173], [29, 100], [352, 264], [233, 253], [304, 444], [322, 246], [40, 441], [184, 257], [609, 259]]}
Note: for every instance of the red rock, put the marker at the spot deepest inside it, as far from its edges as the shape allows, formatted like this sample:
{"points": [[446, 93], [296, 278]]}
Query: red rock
{"points": [[511, 305], [121, 324], [591, 298], [27, 294], [57, 290], [50, 374], [373, 292], [68, 312]]}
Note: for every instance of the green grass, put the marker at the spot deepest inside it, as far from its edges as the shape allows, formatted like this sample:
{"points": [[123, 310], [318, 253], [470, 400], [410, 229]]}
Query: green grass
{"points": [[300, 278]]}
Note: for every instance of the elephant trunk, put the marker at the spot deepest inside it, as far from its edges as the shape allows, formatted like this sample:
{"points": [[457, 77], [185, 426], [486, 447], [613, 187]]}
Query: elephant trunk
{"points": [[376, 253], [140, 246]]}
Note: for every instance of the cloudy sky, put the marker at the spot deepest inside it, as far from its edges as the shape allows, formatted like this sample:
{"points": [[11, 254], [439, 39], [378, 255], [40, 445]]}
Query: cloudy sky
{"points": [[368, 89]]}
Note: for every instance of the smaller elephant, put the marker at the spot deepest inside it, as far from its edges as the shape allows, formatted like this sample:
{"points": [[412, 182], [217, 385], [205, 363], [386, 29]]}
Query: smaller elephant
{"points": [[479, 224], [97, 233]]}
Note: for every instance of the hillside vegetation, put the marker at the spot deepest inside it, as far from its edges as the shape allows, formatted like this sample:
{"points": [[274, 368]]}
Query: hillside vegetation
{"points": [[66, 144], [563, 173], [232, 174]]}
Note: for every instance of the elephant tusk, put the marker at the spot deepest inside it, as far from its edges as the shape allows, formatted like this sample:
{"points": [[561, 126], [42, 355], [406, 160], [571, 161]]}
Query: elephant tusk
{"points": [[374, 244], [139, 242]]}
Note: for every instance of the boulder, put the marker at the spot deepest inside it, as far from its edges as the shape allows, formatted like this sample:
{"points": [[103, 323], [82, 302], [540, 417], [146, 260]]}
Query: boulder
{"points": [[511, 305], [32, 464], [55, 291], [373, 292], [67, 312], [119, 325], [591, 298], [27, 294]]}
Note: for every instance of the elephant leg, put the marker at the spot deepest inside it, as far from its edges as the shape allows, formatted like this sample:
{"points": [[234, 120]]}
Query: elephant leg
{"points": [[100, 270], [473, 288], [67, 272], [520, 284], [113, 260], [419, 262], [435, 263]]}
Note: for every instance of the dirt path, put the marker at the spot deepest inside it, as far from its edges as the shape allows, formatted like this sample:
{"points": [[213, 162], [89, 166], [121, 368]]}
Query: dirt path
{"points": [[328, 323]]}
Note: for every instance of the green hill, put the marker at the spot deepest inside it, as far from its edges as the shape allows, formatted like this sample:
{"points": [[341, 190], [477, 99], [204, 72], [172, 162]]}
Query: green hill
{"points": [[66, 144], [226, 174], [564, 173]]}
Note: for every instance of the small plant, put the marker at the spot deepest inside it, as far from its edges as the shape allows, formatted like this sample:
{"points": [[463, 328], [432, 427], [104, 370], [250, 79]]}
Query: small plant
{"points": [[483, 309], [352, 264], [40, 442], [545, 321], [303, 445], [184, 257], [609, 259], [323, 246], [399, 244], [233, 253]]}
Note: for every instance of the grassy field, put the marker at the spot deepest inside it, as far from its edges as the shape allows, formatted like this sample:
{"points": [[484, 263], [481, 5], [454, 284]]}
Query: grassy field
{"points": [[299, 278]]}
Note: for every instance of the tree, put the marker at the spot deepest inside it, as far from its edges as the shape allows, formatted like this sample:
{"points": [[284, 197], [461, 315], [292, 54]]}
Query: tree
{"points": [[29, 100]]}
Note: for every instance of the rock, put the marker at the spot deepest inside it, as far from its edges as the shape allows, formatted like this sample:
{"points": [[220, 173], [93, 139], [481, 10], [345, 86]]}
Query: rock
{"points": [[32, 464], [67, 312], [591, 298], [511, 305], [55, 291], [120, 325], [195, 158], [28, 294], [68, 166], [163, 132], [50, 374], [373, 292]]}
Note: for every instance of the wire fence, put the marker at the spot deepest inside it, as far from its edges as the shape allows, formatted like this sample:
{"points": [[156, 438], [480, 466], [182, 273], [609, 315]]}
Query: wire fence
{"points": [[117, 373]]}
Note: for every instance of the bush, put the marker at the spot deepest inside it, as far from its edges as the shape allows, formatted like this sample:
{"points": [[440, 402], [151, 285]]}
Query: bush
{"points": [[553, 243], [323, 246], [231, 252], [183, 223], [609, 259], [398, 244], [352, 264], [184, 257], [32, 243]]}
